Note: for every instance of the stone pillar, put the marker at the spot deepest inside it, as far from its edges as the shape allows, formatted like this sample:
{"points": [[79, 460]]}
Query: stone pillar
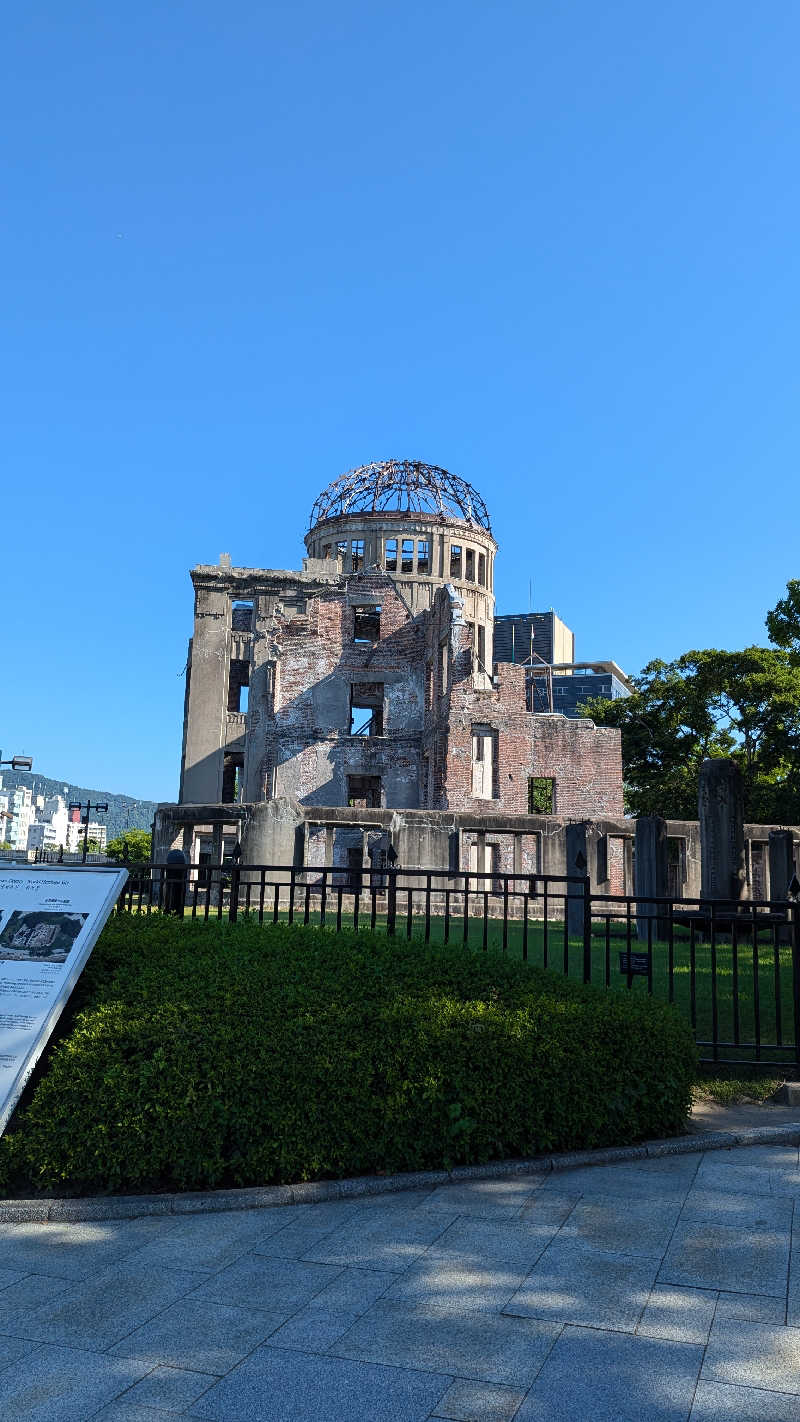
{"points": [[651, 873], [781, 862], [720, 806], [206, 706], [273, 833], [577, 863]]}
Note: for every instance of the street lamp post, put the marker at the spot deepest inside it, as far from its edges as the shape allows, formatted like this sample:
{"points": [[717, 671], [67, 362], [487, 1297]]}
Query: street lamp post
{"points": [[78, 805], [18, 762]]}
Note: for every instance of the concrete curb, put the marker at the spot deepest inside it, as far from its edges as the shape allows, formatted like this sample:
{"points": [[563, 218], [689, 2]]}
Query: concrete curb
{"points": [[270, 1197]]}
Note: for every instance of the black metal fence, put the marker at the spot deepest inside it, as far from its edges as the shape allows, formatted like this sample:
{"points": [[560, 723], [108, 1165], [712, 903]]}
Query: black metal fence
{"points": [[732, 968]]}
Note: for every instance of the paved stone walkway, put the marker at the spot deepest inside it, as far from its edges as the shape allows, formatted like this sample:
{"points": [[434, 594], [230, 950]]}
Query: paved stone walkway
{"points": [[653, 1291]]}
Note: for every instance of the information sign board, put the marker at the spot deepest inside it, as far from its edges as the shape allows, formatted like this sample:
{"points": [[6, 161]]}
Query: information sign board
{"points": [[50, 920], [634, 964]]}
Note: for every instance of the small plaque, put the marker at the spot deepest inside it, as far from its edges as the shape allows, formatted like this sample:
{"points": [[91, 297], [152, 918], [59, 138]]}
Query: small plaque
{"points": [[635, 964]]}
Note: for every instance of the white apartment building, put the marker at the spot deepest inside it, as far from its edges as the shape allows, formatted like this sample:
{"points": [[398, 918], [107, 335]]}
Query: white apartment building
{"points": [[21, 810], [75, 833]]}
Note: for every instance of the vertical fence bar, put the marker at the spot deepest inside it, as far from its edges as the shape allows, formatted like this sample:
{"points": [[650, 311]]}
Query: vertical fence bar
{"points": [[587, 930], [778, 1010], [410, 911], [671, 952], [526, 898], [485, 917], [650, 922], [628, 943], [565, 959], [692, 976], [339, 894], [714, 1002], [307, 904], [505, 913], [373, 913], [735, 979], [794, 909], [756, 990], [233, 906], [292, 874], [323, 901], [447, 894], [427, 908], [546, 926], [261, 891], [391, 904], [608, 950], [466, 908]]}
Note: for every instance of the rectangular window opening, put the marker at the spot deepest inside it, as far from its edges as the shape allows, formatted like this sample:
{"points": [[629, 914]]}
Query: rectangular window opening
{"points": [[470, 565], [455, 560], [232, 771], [423, 556], [541, 795], [407, 560], [366, 708], [238, 683], [367, 623], [484, 762], [444, 662], [242, 616], [482, 569], [481, 648], [390, 558], [357, 553], [364, 792]]}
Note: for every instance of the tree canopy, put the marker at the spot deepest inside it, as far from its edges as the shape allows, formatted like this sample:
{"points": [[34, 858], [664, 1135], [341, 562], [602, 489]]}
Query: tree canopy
{"points": [[745, 705], [139, 847]]}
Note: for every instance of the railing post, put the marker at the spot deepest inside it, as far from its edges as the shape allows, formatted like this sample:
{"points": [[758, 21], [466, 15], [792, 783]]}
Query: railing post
{"points": [[794, 908], [391, 902], [233, 907], [587, 930]]}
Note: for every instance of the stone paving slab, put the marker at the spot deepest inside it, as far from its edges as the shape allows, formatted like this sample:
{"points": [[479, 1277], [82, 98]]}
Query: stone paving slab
{"points": [[488, 1348], [718, 1402], [479, 1402], [736, 1259], [54, 1384], [98, 1313], [200, 1335], [173, 1389], [275, 1386], [754, 1355], [613, 1377], [581, 1285], [685, 1315]]}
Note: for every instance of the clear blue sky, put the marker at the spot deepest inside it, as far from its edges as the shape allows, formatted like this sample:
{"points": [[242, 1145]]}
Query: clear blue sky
{"points": [[245, 247]]}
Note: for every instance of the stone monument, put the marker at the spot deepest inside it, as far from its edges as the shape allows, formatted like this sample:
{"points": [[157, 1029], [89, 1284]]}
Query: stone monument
{"points": [[721, 813], [651, 875]]}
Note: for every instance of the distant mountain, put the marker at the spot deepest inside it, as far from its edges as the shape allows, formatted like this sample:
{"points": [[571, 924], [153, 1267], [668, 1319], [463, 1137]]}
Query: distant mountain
{"points": [[123, 811]]}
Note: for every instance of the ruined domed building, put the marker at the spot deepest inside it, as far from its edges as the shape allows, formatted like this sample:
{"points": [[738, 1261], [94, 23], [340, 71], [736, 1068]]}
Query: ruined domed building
{"points": [[371, 698]]}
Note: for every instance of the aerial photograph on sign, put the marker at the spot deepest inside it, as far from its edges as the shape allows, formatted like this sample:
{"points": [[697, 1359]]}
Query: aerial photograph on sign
{"points": [[40, 937]]}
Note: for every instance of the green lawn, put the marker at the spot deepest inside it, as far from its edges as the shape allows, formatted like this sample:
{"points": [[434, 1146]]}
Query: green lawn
{"points": [[753, 1023]]}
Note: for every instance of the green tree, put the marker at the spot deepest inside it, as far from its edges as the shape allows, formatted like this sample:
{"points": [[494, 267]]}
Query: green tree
{"points": [[745, 705], [139, 843], [783, 622]]}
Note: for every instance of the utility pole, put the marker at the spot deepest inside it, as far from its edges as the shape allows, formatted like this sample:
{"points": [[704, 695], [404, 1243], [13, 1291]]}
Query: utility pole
{"points": [[78, 805]]}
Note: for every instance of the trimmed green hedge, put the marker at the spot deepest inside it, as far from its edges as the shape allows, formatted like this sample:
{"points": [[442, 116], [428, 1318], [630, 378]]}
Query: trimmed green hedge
{"points": [[209, 1054]]}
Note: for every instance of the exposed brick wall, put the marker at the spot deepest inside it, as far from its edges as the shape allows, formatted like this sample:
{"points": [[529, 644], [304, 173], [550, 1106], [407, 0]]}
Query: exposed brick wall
{"points": [[305, 661], [585, 761]]}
